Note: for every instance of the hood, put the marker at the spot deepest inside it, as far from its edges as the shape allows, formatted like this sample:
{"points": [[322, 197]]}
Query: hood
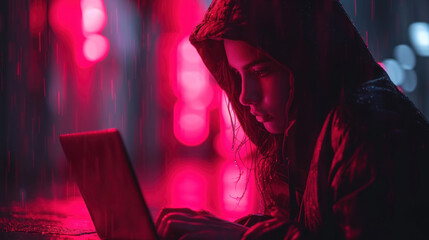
{"points": [[314, 39]]}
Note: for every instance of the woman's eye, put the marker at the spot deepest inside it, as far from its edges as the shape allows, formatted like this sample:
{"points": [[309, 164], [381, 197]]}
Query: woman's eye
{"points": [[262, 72]]}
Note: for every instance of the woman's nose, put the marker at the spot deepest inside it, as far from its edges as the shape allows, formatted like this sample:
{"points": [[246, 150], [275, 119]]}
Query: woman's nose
{"points": [[250, 91]]}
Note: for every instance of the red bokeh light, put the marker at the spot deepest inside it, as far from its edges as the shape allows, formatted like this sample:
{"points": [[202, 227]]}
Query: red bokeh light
{"points": [[37, 17], [65, 18]]}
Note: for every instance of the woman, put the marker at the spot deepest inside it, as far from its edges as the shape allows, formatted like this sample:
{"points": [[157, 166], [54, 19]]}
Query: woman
{"points": [[343, 152]]}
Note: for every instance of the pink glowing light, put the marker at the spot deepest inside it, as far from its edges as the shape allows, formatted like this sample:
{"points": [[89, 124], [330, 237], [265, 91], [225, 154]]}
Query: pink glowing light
{"points": [[94, 20], [229, 126], [70, 21], [195, 89], [195, 94], [227, 114], [237, 194], [193, 85], [95, 47], [224, 140], [188, 52], [184, 71], [65, 19], [233, 192], [94, 17], [191, 127], [189, 186]]}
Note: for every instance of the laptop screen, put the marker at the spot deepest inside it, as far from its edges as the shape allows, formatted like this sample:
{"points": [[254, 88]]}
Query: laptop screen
{"points": [[108, 184]]}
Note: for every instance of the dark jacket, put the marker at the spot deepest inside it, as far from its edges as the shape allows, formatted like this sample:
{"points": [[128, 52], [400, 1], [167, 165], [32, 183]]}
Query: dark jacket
{"points": [[358, 149]]}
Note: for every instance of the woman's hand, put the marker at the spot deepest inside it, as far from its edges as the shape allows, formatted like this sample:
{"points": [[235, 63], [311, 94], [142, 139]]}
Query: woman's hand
{"points": [[273, 229], [186, 224]]}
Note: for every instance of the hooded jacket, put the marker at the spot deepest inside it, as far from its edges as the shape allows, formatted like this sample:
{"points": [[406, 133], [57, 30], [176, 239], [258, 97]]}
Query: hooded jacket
{"points": [[357, 148]]}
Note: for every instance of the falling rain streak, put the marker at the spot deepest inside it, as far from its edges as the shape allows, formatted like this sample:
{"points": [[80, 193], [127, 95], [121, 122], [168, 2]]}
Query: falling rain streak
{"points": [[84, 65]]}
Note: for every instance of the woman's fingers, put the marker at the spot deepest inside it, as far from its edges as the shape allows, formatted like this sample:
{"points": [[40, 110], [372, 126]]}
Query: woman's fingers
{"points": [[176, 224], [204, 212], [206, 235], [166, 211], [271, 229], [170, 220], [175, 229], [188, 224]]}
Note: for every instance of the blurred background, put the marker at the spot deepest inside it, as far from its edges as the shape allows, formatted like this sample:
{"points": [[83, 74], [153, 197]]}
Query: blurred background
{"points": [[82, 65]]}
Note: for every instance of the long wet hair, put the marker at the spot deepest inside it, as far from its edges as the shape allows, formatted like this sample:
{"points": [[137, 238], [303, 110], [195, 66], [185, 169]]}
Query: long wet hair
{"points": [[266, 160], [331, 42]]}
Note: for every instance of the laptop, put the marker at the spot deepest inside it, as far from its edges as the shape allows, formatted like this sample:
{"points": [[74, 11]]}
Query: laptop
{"points": [[103, 172]]}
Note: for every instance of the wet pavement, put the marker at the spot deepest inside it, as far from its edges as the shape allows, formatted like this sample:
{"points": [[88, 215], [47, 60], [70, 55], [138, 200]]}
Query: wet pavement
{"points": [[47, 219]]}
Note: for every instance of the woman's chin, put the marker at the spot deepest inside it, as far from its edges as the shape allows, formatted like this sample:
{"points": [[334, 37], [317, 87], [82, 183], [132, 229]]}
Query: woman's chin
{"points": [[274, 128]]}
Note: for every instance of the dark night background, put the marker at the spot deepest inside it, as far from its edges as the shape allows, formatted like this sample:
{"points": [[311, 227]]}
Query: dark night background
{"points": [[44, 92]]}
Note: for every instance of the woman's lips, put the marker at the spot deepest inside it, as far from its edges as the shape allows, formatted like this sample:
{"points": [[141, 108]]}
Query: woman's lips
{"points": [[262, 117]]}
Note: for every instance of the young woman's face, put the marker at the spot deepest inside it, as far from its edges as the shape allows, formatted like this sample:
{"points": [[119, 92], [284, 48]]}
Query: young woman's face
{"points": [[264, 84]]}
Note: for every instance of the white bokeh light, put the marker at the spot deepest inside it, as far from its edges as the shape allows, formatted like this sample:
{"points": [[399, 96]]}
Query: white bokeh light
{"points": [[395, 71], [419, 36], [405, 56], [95, 47], [93, 20], [410, 81]]}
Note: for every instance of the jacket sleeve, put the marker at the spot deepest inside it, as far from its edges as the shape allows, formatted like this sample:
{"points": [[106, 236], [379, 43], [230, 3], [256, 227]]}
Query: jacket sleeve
{"points": [[275, 229], [378, 186], [378, 190]]}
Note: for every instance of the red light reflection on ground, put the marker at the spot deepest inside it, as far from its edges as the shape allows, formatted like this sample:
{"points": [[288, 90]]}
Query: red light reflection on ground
{"points": [[47, 219]]}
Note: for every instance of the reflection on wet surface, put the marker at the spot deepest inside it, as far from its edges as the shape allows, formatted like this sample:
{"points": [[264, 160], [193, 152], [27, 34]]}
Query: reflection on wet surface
{"points": [[47, 219]]}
